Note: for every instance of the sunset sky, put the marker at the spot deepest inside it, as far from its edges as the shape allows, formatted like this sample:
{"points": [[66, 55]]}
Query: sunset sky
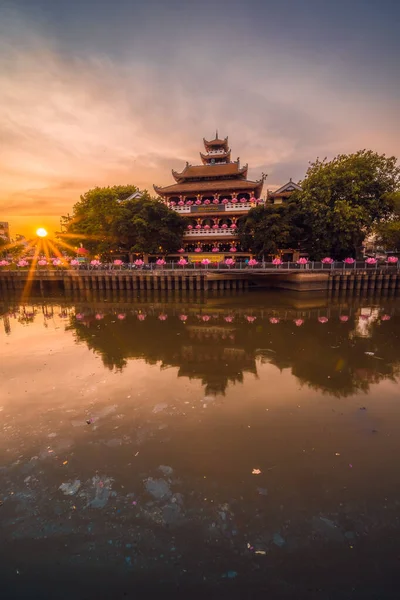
{"points": [[94, 92]]}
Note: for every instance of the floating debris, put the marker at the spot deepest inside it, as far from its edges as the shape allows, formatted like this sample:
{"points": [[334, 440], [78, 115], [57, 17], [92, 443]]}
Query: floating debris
{"points": [[166, 470], [70, 489], [160, 407], [158, 488], [100, 491]]}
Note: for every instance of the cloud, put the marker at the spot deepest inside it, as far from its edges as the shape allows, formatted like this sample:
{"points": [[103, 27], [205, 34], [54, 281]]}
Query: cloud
{"points": [[72, 120]]}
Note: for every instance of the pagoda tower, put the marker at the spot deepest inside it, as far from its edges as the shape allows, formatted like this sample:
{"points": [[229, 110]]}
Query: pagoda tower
{"points": [[212, 195]]}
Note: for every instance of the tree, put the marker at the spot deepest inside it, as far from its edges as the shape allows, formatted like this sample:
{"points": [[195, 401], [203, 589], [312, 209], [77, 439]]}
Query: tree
{"points": [[269, 228], [343, 199], [388, 232], [146, 225], [104, 220], [93, 216]]}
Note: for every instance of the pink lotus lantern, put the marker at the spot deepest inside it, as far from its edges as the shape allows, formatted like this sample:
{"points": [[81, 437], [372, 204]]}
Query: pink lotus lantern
{"points": [[252, 262], [343, 318], [298, 322], [229, 318], [205, 318], [215, 226], [205, 262], [250, 319], [215, 249], [181, 203], [225, 201], [190, 227], [181, 250], [189, 203], [233, 226], [274, 321], [94, 263], [162, 317], [323, 319], [118, 262], [74, 262], [141, 317], [139, 263], [207, 202], [79, 316], [215, 201], [253, 199], [22, 263], [121, 316], [182, 262], [327, 260], [57, 262], [392, 260], [234, 200], [349, 261], [42, 262], [371, 261], [99, 316], [197, 249], [302, 261], [198, 226], [385, 318], [230, 262], [4, 263], [207, 227], [277, 261], [198, 202], [224, 226], [233, 249], [172, 203], [183, 318], [160, 262]]}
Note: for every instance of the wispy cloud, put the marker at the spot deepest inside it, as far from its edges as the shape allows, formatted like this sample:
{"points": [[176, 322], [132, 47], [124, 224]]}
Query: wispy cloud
{"points": [[71, 120]]}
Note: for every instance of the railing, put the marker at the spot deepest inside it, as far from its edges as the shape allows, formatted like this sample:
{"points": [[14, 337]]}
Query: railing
{"points": [[230, 207], [239, 265], [228, 232]]}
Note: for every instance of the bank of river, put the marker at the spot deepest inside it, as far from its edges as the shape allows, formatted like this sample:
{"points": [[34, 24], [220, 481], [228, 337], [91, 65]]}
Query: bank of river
{"points": [[231, 446]]}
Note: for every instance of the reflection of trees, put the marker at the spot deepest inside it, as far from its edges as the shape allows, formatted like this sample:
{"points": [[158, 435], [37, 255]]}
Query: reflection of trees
{"points": [[329, 357], [219, 347], [202, 352]]}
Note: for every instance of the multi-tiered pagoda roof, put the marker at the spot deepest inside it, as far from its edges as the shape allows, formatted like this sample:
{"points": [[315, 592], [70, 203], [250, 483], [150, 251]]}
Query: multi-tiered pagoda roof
{"points": [[217, 174]]}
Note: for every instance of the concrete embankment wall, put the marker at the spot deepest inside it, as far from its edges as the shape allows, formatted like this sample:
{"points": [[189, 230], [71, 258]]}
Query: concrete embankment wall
{"points": [[201, 280]]}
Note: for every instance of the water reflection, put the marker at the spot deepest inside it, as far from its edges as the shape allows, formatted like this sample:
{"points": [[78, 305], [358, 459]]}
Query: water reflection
{"points": [[337, 348], [117, 470]]}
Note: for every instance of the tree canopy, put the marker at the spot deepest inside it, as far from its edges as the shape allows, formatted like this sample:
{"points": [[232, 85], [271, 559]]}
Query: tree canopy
{"points": [[269, 228], [104, 220], [343, 199]]}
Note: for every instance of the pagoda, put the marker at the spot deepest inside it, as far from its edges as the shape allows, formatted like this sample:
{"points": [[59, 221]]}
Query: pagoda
{"points": [[212, 195]]}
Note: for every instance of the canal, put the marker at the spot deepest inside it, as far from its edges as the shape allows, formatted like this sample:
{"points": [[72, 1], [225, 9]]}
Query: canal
{"points": [[236, 446]]}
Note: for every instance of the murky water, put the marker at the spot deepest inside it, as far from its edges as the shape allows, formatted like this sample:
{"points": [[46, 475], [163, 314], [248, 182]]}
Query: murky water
{"points": [[241, 446]]}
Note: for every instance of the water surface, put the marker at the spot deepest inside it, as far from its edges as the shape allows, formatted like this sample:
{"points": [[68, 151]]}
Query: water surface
{"points": [[234, 446]]}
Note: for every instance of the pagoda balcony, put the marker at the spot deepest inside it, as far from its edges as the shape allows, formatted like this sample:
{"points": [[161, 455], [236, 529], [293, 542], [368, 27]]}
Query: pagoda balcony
{"points": [[231, 207], [219, 233]]}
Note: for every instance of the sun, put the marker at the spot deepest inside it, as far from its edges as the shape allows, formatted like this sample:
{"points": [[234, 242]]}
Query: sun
{"points": [[41, 232]]}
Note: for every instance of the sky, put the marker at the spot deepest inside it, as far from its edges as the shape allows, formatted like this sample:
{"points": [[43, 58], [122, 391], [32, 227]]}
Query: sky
{"points": [[96, 93]]}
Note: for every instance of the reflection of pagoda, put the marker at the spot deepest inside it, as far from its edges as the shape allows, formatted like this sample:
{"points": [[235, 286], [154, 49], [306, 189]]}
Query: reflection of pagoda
{"points": [[213, 196]]}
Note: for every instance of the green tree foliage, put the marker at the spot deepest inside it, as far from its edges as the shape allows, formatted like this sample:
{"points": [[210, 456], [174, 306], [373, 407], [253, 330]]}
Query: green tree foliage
{"points": [[103, 220], [268, 228], [388, 231], [343, 199], [147, 225]]}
